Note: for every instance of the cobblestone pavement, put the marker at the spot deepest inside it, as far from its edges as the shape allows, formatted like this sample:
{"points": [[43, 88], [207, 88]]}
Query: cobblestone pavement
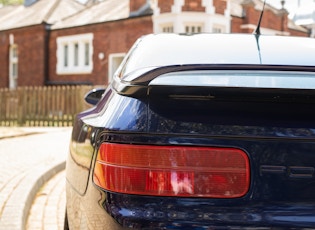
{"points": [[48, 208], [28, 159]]}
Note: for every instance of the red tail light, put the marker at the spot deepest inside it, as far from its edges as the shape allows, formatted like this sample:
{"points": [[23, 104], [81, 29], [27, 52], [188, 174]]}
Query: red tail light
{"points": [[172, 170]]}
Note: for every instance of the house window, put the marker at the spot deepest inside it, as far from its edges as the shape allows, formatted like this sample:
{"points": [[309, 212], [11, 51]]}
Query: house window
{"points": [[218, 29], [13, 68], [114, 62], [86, 54], [193, 29], [167, 29], [74, 54], [66, 58]]}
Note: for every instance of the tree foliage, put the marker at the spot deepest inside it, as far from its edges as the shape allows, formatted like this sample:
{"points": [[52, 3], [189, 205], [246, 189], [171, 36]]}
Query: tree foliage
{"points": [[11, 2]]}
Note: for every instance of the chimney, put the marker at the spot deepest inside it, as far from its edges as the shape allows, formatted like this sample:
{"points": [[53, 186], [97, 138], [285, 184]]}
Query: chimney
{"points": [[135, 5], [29, 2]]}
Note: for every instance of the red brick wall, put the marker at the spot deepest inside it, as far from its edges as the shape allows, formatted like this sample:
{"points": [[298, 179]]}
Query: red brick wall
{"points": [[165, 6], [31, 55], [220, 6], [270, 20], [193, 5], [297, 33], [111, 37], [236, 24], [4, 64], [251, 15], [136, 4]]}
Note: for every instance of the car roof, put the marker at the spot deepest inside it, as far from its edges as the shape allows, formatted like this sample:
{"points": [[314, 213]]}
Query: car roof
{"points": [[220, 49]]}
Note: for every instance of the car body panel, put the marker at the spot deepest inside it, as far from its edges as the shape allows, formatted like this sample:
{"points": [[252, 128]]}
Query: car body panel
{"points": [[247, 49]]}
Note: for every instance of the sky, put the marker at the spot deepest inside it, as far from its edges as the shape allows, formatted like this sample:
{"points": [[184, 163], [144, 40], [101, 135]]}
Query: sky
{"points": [[291, 5]]}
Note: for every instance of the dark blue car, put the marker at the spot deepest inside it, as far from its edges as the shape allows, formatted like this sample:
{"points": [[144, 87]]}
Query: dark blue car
{"points": [[202, 131]]}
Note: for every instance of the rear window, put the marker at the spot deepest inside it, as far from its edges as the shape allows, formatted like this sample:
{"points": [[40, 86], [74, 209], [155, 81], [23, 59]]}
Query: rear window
{"points": [[238, 79]]}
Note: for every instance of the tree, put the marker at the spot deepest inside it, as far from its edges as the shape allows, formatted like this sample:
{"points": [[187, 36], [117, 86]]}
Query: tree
{"points": [[10, 2]]}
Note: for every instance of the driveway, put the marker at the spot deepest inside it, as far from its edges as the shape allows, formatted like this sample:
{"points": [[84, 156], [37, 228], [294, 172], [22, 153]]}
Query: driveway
{"points": [[29, 158]]}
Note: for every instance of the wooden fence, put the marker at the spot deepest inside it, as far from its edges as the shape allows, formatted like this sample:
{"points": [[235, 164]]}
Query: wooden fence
{"points": [[41, 106]]}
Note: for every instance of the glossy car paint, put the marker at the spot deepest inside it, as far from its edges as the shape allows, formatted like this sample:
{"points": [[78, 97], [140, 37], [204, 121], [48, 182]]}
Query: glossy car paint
{"points": [[274, 127], [243, 49]]}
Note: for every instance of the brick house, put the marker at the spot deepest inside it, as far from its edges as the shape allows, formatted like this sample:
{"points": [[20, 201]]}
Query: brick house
{"points": [[24, 38], [58, 42]]}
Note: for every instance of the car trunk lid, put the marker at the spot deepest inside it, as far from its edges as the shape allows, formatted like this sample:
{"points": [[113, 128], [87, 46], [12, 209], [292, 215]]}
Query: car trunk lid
{"points": [[272, 121]]}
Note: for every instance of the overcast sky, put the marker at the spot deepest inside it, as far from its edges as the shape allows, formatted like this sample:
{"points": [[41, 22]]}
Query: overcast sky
{"points": [[291, 5]]}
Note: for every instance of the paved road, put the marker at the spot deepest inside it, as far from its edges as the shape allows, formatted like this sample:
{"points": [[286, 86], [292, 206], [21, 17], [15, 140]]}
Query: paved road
{"points": [[48, 209], [25, 165]]}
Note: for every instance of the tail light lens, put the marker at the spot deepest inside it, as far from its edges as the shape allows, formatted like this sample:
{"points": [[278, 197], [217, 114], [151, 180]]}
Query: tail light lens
{"points": [[172, 170]]}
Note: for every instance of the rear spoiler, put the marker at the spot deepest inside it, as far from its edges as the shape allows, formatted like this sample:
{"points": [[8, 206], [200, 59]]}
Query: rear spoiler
{"points": [[202, 82]]}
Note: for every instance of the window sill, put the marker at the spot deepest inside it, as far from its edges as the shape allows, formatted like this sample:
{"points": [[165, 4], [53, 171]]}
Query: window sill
{"points": [[73, 71]]}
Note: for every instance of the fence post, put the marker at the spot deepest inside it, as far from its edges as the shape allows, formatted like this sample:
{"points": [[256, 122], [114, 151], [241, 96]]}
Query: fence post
{"points": [[20, 120]]}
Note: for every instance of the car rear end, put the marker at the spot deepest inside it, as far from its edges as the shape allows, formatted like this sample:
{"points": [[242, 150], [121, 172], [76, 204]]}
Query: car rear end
{"points": [[228, 159], [206, 146]]}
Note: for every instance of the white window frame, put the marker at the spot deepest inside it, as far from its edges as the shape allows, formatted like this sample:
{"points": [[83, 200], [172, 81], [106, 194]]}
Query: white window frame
{"points": [[194, 28], [218, 28], [167, 28], [13, 66], [181, 19], [79, 56], [113, 64]]}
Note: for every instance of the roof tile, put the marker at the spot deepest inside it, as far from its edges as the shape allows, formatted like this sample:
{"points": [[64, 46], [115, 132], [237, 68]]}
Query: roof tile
{"points": [[48, 11]]}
